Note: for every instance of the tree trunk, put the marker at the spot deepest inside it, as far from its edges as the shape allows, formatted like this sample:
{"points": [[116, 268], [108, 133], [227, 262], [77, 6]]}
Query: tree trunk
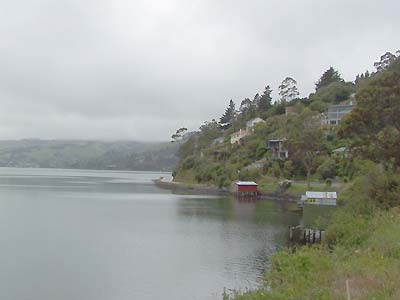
{"points": [[308, 178]]}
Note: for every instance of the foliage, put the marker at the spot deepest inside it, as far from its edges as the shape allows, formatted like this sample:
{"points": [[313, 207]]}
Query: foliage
{"points": [[288, 168], [208, 132], [245, 106], [332, 93], [264, 102], [327, 169], [385, 61], [275, 169], [319, 106], [179, 134], [374, 186], [330, 76], [288, 89], [305, 139], [229, 114], [374, 125]]}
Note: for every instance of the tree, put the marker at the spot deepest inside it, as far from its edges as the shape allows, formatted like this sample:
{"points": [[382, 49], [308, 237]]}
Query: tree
{"points": [[304, 141], [209, 131], [327, 169], [361, 77], [288, 89], [334, 92], [374, 125], [385, 61], [179, 134], [229, 114], [264, 102], [331, 75], [245, 105]]}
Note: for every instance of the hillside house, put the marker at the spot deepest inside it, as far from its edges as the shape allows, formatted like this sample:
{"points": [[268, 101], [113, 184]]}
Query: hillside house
{"points": [[289, 110], [341, 152], [218, 141], [278, 151], [336, 113], [253, 122], [238, 135]]}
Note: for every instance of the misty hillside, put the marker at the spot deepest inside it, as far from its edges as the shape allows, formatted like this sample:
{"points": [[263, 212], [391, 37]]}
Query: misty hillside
{"points": [[118, 155]]}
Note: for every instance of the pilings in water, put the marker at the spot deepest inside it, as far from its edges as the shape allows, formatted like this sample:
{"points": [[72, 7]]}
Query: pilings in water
{"points": [[246, 194], [301, 235]]}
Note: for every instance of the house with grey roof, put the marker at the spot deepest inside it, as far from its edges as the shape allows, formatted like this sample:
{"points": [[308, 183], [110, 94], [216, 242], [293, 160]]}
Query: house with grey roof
{"points": [[336, 113]]}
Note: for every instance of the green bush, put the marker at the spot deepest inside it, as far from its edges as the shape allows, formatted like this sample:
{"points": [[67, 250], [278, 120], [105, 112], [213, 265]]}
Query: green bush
{"points": [[275, 170], [333, 93], [288, 168], [376, 185], [328, 182], [327, 169], [319, 106], [189, 162]]}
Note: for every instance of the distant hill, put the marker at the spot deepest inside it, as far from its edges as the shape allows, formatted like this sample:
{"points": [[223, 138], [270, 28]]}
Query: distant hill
{"points": [[117, 155]]}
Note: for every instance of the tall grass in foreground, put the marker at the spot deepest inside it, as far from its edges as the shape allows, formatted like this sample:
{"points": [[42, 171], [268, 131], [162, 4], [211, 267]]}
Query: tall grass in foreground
{"points": [[360, 256], [367, 256]]}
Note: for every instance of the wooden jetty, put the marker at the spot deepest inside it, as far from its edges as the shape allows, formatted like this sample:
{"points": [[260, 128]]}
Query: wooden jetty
{"points": [[301, 235]]}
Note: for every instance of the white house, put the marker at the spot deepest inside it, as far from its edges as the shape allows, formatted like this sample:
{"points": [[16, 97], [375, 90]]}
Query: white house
{"points": [[218, 141], [319, 198], [252, 123], [238, 135]]}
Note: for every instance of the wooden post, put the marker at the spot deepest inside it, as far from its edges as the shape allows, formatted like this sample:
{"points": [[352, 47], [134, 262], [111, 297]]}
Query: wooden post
{"points": [[348, 290]]}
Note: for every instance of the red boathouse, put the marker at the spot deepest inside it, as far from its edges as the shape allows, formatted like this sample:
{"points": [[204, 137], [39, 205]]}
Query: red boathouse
{"points": [[245, 188]]}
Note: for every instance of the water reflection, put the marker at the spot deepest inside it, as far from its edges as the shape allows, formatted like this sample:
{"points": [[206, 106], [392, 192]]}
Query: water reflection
{"points": [[90, 235], [252, 230]]}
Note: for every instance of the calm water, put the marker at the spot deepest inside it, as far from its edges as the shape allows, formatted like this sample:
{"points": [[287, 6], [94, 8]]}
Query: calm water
{"points": [[99, 235]]}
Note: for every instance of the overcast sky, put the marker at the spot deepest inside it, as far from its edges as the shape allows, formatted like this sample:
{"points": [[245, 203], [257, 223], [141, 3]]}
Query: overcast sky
{"points": [[138, 70]]}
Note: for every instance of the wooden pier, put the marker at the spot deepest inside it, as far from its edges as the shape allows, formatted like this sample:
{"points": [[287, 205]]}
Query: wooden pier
{"points": [[304, 236]]}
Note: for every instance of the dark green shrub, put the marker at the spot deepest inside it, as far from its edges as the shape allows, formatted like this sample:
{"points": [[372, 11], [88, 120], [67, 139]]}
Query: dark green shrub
{"points": [[188, 162], [328, 182], [327, 169]]}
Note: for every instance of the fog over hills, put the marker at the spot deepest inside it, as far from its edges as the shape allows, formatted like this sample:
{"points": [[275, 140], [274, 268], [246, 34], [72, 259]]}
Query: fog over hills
{"points": [[86, 154]]}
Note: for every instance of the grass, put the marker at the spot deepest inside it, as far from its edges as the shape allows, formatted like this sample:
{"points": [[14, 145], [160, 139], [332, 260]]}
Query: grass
{"points": [[297, 188], [366, 255]]}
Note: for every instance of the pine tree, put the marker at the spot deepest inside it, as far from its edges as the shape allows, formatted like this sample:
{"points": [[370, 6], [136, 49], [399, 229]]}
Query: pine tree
{"points": [[331, 75], [264, 102], [229, 114], [245, 105]]}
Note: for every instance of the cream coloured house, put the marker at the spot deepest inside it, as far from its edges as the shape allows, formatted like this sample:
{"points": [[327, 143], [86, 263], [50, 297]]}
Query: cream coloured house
{"points": [[238, 135]]}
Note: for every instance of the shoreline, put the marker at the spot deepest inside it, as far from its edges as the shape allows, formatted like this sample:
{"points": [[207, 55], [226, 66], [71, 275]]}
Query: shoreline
{"points": [[215, 191]]}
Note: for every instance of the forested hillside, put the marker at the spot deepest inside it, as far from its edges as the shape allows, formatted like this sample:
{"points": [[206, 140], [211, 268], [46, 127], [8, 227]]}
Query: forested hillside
{"points": [[117, 155], [317, 151]]}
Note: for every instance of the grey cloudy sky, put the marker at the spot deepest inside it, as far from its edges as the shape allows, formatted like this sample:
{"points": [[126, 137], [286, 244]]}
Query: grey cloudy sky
{"points": [[126, 69]]}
